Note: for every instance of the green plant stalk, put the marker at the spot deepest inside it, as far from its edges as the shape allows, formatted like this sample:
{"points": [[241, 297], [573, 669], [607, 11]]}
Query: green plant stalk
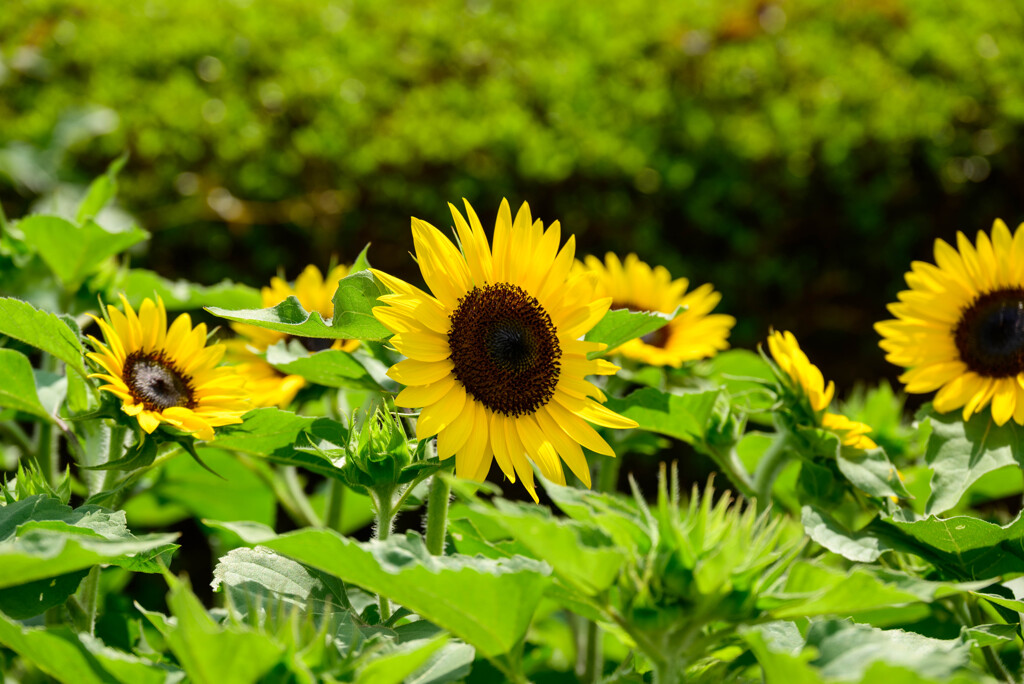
{"points": [[88, 600], [384, 511], [46, 439], [973, 616], [298, 498], [731, 466], [589, 654], [437, 514], [13, 433], [768, 468], [335, 504], [608, 473]]}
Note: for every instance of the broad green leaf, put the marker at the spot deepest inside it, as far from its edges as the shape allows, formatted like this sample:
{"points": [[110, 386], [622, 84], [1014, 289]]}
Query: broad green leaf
{"points": [[581, 555], [74, 252], [262, 580], [137, 284], [861, 547], [354, 300], [616, 516], [684, 415], [34, 598], [846, 650], [79, 658], [827, 591], [397, 666], [787, 666], [211, 653], [330, 368], [18, 387], [52, 389], [871, 471], [101, 191], [183, 488], [449, 664], [969, 547], [743, 374], [991, 635], [41, 537], [362, 261], [288, 317], [959, 453], [487, 603], [42, 330], [622, 325]]}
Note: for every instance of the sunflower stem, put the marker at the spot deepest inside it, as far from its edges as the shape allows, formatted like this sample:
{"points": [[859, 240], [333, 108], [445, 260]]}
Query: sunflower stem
{"points": [[13, 433], [608, 473], [335, 504], [769, 467], [299, 500], [437, 513], [47, 456], [384, 511], [589, 658]]}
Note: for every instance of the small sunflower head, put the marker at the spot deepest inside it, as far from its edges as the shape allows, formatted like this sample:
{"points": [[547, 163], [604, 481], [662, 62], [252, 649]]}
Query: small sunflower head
{"points": [[694, 334], [166, 375]]}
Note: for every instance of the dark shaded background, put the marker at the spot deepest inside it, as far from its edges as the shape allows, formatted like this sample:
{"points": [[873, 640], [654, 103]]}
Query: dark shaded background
{"points": [[796, 154]]}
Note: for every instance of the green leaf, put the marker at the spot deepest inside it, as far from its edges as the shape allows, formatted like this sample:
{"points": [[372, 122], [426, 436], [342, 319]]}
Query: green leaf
{"points": [[137, 284], [263, 581], [959, 453], [208, 652], [846, 650], [79, 658], [288, 317], [330, 368], [42, 330], [683, 415], [581, 555], [277, 435], [18, 388], [487, 603], [41, 537], [354, 300], [397, 666], [871, 471], [74, 252], [970, 547], [861, 547], [362, 261], [827, 591], [991, 635], [34, 598], [622, 325], [101, 191]]}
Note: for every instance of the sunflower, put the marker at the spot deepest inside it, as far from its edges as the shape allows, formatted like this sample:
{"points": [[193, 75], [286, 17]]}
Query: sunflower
{"points": [[494, 351], [167, 375], [959, 329], [803, 379], [694, 334], [267, 385]]}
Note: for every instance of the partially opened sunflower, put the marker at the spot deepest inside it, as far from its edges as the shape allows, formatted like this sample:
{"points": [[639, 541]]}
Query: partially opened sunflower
{"points": [[805, 380], [959, 329], [167, 375], [494, 351]]}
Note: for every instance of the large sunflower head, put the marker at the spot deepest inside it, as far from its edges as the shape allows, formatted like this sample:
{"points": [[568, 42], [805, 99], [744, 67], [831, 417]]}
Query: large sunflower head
{"points": [[959, 329], [268, 386], [494, 351], [167, 375], [803, 380], [694, 334]]}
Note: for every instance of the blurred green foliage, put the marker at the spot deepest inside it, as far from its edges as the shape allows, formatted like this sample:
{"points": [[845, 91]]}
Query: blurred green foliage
{"points": [[796, 154]]}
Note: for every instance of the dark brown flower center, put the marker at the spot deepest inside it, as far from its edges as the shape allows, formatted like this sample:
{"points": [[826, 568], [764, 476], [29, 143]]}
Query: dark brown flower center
{"points": [[990, 334], [505, 349], [155, 383], [315, 344]]}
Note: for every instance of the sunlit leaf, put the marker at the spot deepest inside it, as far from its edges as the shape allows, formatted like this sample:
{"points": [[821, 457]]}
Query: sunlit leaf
{"points": [[42, 330], [330, 368], [74, 252], [622, 325], [354, 300], [18, 387], [684, 415]]}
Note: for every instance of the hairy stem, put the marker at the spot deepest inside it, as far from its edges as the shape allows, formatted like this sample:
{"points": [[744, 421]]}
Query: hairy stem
{"points": [[437, 514]]}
